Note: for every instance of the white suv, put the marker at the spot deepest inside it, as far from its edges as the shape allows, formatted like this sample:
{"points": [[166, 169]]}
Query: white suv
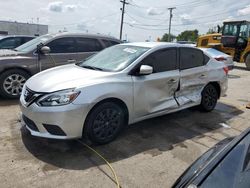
{"points": [[120, 85]]}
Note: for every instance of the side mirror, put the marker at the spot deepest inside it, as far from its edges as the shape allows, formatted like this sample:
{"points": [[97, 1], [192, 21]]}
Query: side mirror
{"points": [[45, 50], [146, 70]]}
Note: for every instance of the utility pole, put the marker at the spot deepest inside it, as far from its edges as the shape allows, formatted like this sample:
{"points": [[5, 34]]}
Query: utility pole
{"points": [[170, 18], [123, 10]]}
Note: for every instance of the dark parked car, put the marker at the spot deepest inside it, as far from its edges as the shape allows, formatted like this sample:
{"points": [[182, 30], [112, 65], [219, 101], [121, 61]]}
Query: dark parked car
{"points": [[11, 42], [44, 52], [225, 165]]}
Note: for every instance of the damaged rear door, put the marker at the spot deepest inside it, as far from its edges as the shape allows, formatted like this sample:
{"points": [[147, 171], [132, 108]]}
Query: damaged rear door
{"points": [[193, 76], [155, 92]]}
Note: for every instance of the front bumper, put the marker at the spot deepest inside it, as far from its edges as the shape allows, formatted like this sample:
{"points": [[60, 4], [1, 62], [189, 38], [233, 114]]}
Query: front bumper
{"points": [[60, 122]]}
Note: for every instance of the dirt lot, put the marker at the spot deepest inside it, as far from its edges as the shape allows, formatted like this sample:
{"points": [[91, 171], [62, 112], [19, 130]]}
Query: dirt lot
{"points": [[152, 153]]}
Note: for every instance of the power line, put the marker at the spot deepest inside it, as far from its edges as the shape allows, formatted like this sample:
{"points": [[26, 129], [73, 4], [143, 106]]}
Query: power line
{"points": [[200, 17], [143, 24], [123, 10], [192, 3]]}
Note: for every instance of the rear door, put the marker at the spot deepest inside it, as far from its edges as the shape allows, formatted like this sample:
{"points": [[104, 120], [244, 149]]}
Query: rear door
{"points": [[87, 47], [155, 92], [63, 51], [193, 75]]}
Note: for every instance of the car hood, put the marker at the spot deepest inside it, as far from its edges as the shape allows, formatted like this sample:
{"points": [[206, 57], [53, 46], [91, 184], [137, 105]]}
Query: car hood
{"points": [[7, 53], [65, 77]]}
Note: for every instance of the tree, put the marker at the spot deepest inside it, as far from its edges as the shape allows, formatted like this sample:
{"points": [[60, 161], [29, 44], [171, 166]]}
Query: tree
{"points": [[216, 29], [188, 35], [165, 37]]}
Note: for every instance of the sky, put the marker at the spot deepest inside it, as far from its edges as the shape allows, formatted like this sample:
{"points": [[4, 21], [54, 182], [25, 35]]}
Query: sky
{"points": [[143, 19]]}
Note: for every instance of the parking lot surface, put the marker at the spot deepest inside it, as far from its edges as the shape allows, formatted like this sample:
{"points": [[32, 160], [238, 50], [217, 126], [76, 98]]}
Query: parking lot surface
{"points": [[152, 153]]}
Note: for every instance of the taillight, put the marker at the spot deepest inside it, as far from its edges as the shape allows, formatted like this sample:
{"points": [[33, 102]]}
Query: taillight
{"points": [[226, 70], [220, 58]]}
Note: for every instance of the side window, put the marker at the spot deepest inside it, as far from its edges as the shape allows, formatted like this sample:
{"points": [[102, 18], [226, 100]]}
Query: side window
{"points": [[114, 43], [107, 43], [190, 58], [26, 39], [18, 41], [206, 59], [162, 60], [88, 45], [8, 43], [62, 45]]}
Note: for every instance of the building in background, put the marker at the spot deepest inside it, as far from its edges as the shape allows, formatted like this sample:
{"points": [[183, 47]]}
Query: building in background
{"points": [[17, 28]]}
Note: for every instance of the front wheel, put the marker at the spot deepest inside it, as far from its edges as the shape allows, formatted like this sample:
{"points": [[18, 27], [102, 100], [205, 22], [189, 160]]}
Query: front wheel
{"points": [[11, 83], [104, 123], [209, 97]]}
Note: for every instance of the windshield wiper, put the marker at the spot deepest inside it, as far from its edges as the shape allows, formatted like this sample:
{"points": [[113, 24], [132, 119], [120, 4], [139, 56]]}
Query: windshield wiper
{"points": [[91, 67]]}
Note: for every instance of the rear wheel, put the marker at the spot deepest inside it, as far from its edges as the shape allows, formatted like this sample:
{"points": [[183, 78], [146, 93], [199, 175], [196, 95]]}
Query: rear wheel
{"points": [[104, 123], [248, 62], [11, 83], [209, 98]]}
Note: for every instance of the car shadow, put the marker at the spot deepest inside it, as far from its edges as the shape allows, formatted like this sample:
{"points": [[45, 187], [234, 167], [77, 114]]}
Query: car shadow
{"points": [[149, 137], [232, 76], [8, 102], [240, 68]]}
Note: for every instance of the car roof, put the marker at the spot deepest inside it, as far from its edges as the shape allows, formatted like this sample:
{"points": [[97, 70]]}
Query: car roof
{"points": [[154, 44], [83, 35], [213, 52], [7, 36]]}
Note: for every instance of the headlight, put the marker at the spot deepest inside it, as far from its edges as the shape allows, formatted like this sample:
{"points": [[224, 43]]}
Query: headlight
{"points": [[58, 98]]}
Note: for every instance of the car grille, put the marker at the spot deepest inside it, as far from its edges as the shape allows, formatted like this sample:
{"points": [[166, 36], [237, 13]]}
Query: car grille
{"points": [[30, 96]]}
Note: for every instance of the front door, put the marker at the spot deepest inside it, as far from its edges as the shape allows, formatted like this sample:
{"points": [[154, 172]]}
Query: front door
{"points": [[62, 51], [193, 76], [155, 92]]}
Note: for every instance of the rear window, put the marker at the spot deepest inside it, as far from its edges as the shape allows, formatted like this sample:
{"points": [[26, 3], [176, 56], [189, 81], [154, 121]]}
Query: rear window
{"points": [[162, 60], [88, 45], [109, 43], [206, 59], [191, 58]]}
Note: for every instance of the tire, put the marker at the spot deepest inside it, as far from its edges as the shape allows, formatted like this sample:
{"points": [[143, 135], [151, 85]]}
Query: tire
{"points": [[11, 83], [104, 123], [248, 61], [209, 97]]}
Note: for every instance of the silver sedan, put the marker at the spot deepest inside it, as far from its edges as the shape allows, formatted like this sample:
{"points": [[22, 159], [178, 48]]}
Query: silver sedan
{"points": [[121, 85]]}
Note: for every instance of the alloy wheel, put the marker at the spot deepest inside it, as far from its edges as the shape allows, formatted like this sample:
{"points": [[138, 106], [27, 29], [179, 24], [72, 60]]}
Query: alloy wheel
{"points": [[107, 123], [13, 84]]}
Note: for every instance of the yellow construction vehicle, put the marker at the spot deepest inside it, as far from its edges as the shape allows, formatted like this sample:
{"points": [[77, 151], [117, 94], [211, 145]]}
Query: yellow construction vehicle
{"points": [[234, 40]]}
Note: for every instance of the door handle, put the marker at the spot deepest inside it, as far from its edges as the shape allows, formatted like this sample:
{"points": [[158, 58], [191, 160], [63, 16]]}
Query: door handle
{"points": [[171, 81], [202, 76], [71, 60]]}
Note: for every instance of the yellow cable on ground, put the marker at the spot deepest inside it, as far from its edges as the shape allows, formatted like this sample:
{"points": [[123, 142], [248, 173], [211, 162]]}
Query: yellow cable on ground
{"points": [[111, 168]]}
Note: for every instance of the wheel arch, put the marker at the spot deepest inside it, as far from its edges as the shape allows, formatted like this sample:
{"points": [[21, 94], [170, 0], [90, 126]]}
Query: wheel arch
{"points": [[16, 68], [116, 101]]}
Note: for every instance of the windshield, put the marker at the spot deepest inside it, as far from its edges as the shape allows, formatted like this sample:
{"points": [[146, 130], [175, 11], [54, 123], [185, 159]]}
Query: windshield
{"points": [[32, 44], [230, 29], [115, 58]]}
